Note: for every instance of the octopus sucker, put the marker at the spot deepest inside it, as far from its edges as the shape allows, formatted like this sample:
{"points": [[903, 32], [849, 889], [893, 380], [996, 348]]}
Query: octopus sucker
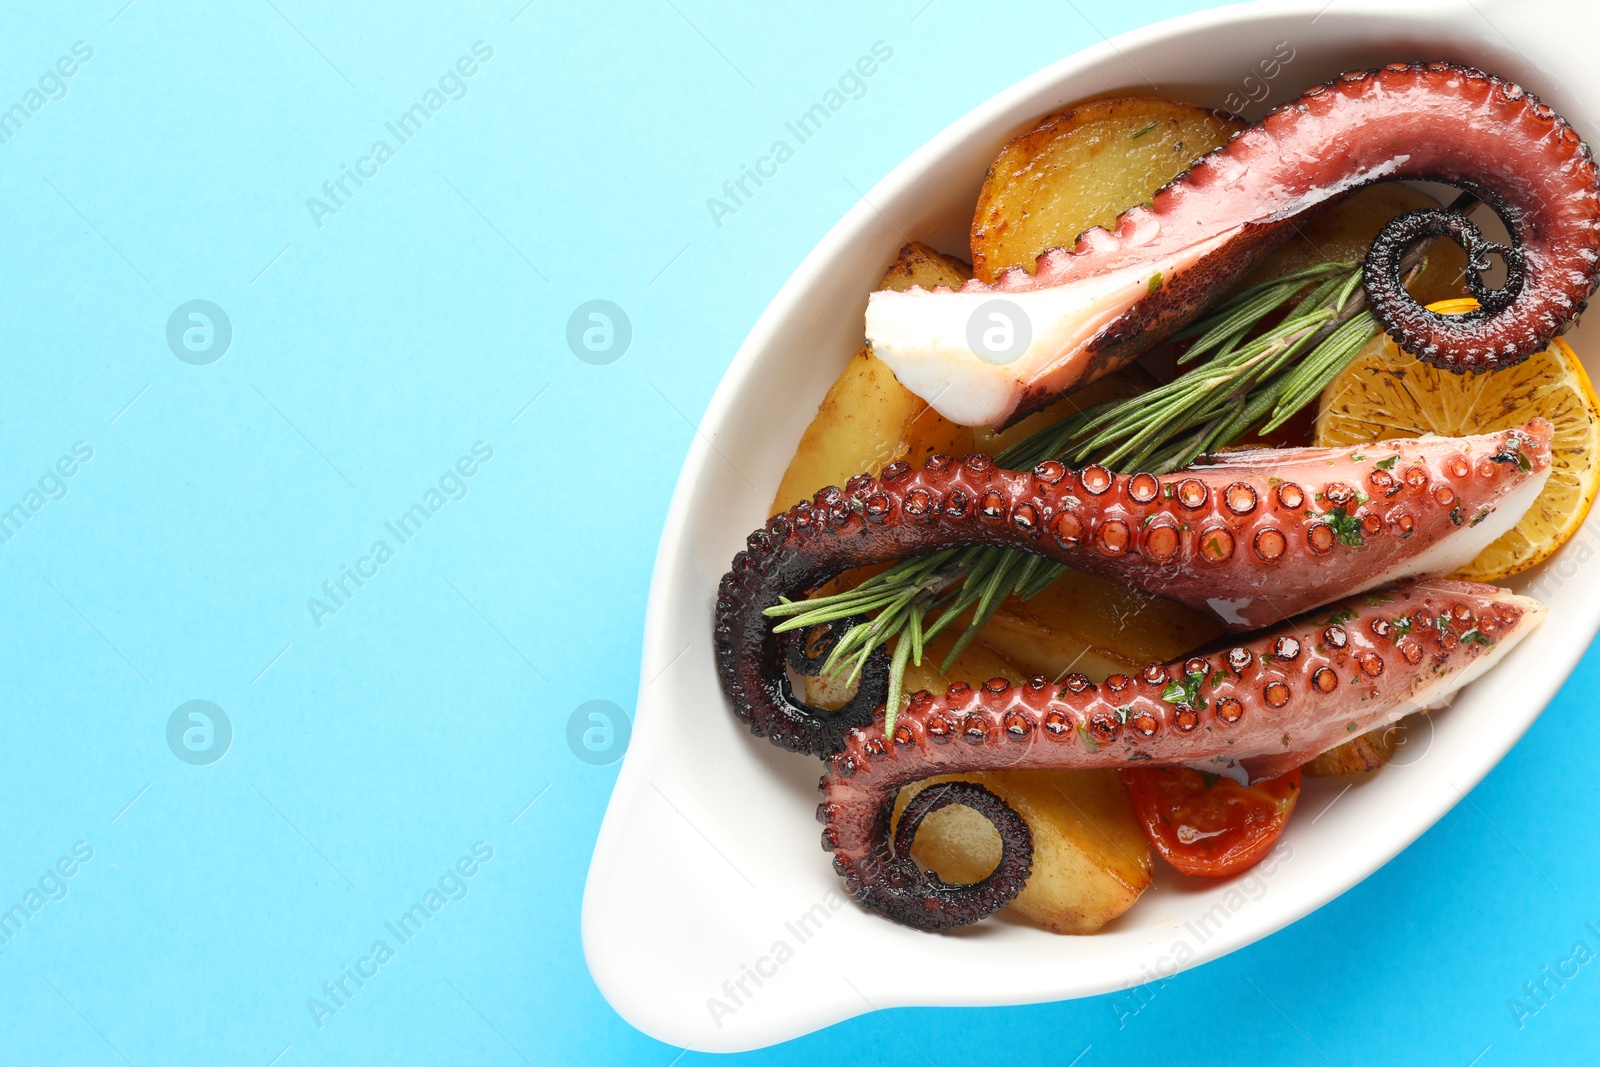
{"points": [[1116, 293], [1219, 536], [1259, 721]]}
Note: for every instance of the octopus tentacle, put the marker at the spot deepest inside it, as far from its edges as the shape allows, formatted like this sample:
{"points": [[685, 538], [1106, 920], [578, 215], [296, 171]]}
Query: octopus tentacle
{"points": [[1250, 537], [900, 889], [806, 728], [1117, 293], [1428, 331], [1252, 710]]}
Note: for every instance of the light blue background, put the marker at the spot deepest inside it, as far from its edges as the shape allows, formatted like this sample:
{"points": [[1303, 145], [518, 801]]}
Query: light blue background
{"points": [[368, 354]]}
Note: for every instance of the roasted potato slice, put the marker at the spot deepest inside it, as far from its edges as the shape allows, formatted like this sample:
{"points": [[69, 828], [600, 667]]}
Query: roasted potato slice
{"points": [[1356, 756], [1088, 625], [1083, 168], [866, 419], [917, 264], [858, 428], [1090, 858]]}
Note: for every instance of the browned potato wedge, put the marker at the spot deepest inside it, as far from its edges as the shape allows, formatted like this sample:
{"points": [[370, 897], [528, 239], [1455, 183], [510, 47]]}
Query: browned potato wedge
{"points": [[857, 429], [930, 433], [976, 665], [917, 264], [1083, 168], [1096, 627], [1356, 756], [1345, 232], [1090, 858], [866, 418]]}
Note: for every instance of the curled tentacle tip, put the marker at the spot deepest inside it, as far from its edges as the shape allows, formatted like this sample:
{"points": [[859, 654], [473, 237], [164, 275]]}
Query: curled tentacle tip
{"points": [[895, 886], [1488, 338]]}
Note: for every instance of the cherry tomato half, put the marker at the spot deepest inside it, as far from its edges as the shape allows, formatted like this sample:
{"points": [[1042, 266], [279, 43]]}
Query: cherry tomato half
{"points": [[1209, 825]]}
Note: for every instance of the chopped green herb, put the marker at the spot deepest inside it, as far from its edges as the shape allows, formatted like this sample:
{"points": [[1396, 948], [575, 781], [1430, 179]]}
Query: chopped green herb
{"points": [[1186, 690], [1142, 132], [1387, 464], [1346, 526], [1155, 283], [1513, 453], [1477, 637], [1343, 615], [1210, 779]]}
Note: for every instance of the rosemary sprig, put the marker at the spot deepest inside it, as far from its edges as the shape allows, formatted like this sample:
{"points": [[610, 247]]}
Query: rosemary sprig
{"points": [[1257, 371]]}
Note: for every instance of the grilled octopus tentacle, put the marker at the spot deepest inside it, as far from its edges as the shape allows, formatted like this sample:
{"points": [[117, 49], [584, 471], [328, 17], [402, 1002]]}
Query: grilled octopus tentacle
{"points": [[888, 880], [1115, 294], [1262, 707], [1251, 537]]}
